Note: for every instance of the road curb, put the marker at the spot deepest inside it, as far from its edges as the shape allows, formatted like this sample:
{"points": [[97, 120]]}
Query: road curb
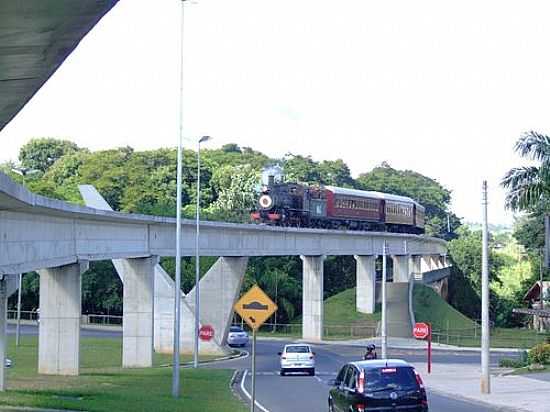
{"points": [[187, 365]]}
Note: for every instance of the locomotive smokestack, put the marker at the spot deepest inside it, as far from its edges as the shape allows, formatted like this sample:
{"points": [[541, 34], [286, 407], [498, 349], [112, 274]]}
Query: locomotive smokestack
{"points": [[270, 180]]}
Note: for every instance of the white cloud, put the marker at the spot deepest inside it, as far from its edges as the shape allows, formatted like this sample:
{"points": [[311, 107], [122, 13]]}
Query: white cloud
{"points": [[444, 88]]}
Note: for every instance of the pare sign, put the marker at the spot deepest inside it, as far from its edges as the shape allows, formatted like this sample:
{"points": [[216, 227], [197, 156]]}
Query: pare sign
{"points": [[421, 330]]}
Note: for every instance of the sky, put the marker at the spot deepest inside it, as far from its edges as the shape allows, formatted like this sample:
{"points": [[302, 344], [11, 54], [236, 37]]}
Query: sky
{"points": [[441, 87]]}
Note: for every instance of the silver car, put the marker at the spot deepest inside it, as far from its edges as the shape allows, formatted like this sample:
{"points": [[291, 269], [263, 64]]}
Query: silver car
{"points": [[237, 336], [297, 358]]}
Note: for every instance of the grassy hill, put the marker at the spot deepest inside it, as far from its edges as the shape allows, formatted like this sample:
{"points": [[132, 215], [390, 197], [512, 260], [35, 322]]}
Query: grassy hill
{"points": [[341, 309], [430, 307]]}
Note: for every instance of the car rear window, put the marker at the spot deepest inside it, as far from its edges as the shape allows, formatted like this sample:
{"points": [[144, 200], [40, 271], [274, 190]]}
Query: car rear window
{"points": [[297, 349], [235, 329], [391, 378]]}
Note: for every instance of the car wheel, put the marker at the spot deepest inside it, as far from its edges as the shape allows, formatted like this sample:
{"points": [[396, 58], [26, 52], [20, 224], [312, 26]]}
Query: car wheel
{"points": [[312, 372], [283, 373]]}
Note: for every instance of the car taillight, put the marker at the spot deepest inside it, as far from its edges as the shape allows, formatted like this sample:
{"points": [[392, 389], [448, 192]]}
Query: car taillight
{"points": [[361, 407], [424, 402], [419, 380], [361, 382]]}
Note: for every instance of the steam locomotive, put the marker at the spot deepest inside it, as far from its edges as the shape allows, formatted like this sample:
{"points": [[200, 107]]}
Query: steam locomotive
{"points": [[330, 207]]}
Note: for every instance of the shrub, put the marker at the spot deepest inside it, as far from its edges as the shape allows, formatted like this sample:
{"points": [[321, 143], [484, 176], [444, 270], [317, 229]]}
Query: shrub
{"points": [[512, 363], [540, 354]]}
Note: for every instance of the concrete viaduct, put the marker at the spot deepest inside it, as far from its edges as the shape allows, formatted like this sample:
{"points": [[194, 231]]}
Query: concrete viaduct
{"points": [[58, 239]]}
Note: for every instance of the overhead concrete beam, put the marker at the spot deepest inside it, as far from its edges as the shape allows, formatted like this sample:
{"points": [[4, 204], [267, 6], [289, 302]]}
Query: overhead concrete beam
{"points": [[36, 37], [37, 232]]}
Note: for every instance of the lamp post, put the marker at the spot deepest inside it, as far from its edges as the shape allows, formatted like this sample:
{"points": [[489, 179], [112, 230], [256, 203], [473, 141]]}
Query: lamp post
{"points": [[18, 328], [197, 258], [177, 289]]}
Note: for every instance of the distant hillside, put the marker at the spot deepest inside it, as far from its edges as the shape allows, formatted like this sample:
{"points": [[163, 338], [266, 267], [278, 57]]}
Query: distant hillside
{"points": [[495, 229]]}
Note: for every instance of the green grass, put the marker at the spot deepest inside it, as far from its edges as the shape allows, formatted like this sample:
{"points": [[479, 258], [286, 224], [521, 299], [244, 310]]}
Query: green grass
{"points": [[430, 307], [341, 320], [104, 386], [341, 309], [453, 328]]}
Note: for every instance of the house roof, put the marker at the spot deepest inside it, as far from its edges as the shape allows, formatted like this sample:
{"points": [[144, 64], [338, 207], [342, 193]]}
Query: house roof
{"points": [[533, 294]]}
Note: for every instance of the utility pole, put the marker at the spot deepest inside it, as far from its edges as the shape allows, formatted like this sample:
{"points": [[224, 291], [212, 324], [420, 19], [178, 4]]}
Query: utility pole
{"points": [[18, 328], [485, 327], [541, 295], [177, 292], [383, 328]]}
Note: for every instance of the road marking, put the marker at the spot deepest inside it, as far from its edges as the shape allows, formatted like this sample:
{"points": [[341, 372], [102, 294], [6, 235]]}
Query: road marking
{"points": [[258, 404]]}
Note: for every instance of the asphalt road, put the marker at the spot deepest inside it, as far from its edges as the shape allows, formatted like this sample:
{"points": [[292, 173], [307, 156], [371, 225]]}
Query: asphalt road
{"points": [[294, 393], [304, 393]]}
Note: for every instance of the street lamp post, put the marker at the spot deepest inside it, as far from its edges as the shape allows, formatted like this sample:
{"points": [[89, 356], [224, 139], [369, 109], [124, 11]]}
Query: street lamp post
{"points": [[197, 258], [177, 289], [18, 329]]}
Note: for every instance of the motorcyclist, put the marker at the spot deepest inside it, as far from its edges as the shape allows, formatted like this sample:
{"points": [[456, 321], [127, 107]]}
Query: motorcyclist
{"points": [[371, 352]]}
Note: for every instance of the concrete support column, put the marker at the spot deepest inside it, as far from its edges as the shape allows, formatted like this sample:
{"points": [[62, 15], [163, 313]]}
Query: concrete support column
{"points": [[366, 283], [59, 331], [3, 337], [415, 265], [219, 291], [401, 271], [312, 298], [137, 304]]}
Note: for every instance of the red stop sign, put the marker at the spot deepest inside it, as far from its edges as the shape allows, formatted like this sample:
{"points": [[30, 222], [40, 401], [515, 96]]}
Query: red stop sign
{"points": [[421, 330], [206, 333]]}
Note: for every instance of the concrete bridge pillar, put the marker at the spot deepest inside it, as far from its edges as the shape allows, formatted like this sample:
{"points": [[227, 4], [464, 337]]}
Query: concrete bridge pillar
{"points": [[60, 310], [366, 283], [3, 337], [401, 271], [312, 298], [415, 265], [219, 291], [137, 312]]}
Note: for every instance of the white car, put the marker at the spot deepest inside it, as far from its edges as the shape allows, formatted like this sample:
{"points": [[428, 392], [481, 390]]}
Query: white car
{"points": [[297, 358], [237, 336]]}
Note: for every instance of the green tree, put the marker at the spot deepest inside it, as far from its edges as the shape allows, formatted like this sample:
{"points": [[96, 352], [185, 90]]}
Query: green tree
{"points": [[529, 186], [428, 192], [42, 153]]}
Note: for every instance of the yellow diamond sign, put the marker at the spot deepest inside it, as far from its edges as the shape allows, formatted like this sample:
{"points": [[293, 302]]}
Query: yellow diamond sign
{"points": [[255, 307]]}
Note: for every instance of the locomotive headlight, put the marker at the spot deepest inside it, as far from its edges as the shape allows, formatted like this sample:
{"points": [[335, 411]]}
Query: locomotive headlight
{"points": [[265, 201]]}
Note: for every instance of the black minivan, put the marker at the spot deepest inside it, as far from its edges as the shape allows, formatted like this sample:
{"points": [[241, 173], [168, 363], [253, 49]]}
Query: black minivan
{"points": [[377, 385]]}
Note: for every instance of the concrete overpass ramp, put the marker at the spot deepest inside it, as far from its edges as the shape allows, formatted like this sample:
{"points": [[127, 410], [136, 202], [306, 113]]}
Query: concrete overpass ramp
{"points": [[36, 36]]}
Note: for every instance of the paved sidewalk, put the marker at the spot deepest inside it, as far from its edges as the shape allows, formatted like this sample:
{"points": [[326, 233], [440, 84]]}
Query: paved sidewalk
{"points": [[512, 393]]}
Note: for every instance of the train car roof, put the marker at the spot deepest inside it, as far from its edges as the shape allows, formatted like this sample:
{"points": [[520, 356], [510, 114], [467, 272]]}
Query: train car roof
{"points": [[371, 194]]}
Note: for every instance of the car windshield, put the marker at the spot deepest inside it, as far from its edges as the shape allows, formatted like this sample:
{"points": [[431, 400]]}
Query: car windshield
{"points": [[297, 349], [380, 379], [235, 329]]}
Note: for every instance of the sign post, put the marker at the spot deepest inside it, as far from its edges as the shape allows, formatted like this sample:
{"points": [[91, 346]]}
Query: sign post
{"points": [[423, 331], [255, 307]]}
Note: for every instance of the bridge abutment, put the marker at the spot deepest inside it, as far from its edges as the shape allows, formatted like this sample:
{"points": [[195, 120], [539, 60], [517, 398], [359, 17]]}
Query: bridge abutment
{"points": [[60, 309], [137, 308], [312, 297], [366, 283]]}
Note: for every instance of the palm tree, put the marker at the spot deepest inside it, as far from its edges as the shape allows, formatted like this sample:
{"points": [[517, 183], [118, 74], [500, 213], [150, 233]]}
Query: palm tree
{"points": [[529, 186]]}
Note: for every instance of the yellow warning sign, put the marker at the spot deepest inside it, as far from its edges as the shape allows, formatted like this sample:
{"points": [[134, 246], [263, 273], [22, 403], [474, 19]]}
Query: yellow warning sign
{"points": [[255, 307]]}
